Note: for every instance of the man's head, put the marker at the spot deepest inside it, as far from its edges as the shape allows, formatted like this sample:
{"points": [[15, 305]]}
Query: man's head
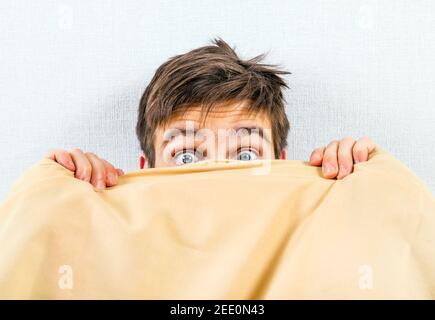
{"points": [[194, 97]]}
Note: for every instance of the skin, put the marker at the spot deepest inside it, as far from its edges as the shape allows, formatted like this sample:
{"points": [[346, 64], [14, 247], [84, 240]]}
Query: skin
{"points": [[336, 159]]}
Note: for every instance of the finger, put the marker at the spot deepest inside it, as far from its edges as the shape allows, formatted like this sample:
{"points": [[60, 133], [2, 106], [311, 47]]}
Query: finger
{"points": [[345, 157], [317, 156], [82, 164], [63, 158], [362, 148], [111, 174], [330, 165], [98, 178], [120, 172]]}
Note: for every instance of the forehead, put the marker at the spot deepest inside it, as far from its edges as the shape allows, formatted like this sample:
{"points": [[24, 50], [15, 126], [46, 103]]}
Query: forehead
{"points": [[225, 115]]}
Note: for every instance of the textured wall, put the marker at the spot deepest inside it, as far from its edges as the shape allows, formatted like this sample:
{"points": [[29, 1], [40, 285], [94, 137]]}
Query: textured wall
{"points": [[72, 72]]}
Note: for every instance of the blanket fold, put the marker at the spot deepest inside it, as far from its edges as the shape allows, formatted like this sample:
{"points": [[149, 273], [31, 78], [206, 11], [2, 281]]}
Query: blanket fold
{"points": [[220, 230]]}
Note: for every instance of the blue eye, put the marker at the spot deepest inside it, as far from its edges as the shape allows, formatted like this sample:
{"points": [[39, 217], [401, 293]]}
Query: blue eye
{"points": [[247, 155], [185, 157]]}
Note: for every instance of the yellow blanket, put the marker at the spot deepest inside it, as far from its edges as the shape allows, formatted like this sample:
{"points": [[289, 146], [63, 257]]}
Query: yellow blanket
{"points": [[220, 229]]}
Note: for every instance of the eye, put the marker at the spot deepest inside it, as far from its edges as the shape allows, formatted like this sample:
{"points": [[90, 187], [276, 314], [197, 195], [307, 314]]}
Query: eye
{"points": [[185, 157], [247, 155]]}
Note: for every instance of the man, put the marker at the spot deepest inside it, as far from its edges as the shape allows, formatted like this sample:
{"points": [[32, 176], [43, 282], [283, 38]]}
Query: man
{"points": [[210, 104]]}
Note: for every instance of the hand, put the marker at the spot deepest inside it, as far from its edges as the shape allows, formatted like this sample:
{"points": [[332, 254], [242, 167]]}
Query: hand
{"points": [[87, 167], [338, 157]]}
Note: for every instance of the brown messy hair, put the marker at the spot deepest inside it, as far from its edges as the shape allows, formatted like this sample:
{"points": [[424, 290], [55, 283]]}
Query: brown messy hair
{"points": [[208, 76]]}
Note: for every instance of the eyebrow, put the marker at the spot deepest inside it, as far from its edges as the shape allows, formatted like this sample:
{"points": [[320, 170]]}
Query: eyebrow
{"points": [[254, 129], [182, 131]]}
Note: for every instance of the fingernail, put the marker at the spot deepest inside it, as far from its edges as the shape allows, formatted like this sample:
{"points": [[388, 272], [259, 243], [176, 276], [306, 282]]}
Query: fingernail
{"points": [[328, 168], [100, 184], [342, 171], [316, 156], [112, 178]]}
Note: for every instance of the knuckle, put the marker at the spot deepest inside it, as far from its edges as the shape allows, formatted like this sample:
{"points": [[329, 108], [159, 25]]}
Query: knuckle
{"points": [[358, 151], [347, 139], [332, 144], [358, 147], [343, 154]]}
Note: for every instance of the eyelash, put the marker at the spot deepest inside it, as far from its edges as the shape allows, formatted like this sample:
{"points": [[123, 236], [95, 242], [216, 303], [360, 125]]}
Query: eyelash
{"points": [[175, 151], [239, 149]]}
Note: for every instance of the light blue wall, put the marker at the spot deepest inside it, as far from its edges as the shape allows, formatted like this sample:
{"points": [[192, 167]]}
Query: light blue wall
{"points": [[72, 72]]}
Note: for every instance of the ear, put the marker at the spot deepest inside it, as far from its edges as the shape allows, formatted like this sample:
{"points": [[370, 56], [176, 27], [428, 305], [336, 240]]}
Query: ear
{"points": [[283, 154], [143, 162]]}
